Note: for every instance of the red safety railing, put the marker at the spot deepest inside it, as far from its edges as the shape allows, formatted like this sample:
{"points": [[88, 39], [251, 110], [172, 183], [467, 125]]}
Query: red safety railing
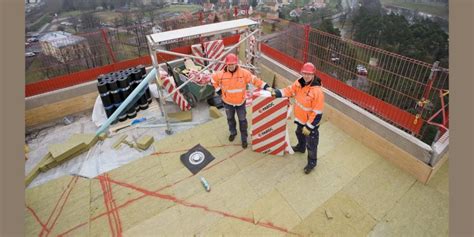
{"points": [[401, 90], [364, 100], [408, 93], [68, 54], [76, 78]]}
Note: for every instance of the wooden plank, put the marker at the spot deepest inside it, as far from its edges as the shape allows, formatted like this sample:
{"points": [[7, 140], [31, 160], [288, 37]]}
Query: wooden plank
{"points": [[438, 165], [64, 151], [49, 112]]}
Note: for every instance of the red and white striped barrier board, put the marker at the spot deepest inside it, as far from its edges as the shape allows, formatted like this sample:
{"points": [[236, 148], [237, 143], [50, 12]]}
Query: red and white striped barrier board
{"points": [[178, 98], [197, 50], [214, 49], [249, 96], [269, 122], [251, 48]]}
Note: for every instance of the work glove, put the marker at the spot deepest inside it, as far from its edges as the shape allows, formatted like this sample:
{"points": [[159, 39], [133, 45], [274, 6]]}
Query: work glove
{"points": [[306, 131]]}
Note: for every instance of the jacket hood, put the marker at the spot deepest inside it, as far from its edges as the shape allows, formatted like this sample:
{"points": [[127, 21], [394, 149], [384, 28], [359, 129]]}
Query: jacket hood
{"points": [[315, 82]]}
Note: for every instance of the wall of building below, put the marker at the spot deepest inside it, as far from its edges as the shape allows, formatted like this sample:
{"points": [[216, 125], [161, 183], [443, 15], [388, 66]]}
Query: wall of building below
{"points": [[56, 110]]}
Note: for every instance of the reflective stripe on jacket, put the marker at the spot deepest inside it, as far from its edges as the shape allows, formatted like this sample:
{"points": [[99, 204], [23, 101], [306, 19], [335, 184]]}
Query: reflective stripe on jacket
{"points": [[234, 85], [309, 101]]}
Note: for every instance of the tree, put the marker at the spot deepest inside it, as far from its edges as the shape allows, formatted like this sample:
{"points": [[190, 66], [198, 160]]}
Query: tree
{"points": [[68, 5], [90, 21], [367, 26], [396, 33], [372, 6], [431, 40], [327, 26], [125, 19], [253, 3]]}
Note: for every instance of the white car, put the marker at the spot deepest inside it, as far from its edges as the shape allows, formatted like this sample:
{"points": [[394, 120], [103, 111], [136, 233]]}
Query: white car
{"points": [[32, 39], [361, 70], [29, 54]]}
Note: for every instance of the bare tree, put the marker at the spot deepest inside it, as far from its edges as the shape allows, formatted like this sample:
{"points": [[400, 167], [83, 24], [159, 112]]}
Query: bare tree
{"points": [[126, 20], [90, 21]]}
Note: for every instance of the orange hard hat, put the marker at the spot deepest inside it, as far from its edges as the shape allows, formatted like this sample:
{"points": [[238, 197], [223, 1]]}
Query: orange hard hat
{"points": [[231, 59], [308, 68]]}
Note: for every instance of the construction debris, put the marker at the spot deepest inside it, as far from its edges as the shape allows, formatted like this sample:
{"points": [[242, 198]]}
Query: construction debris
{"points": [[184, 116], [27, 149], [47, 163], [62, 152], [144, 142], [103, 136], [119, 141], [32, 175], [328, 214], [88, 139], [214, 112], [205, 184]]}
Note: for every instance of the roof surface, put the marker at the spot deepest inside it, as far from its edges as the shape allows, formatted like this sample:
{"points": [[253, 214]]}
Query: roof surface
{"points": [[60, 38], [352, 192]]}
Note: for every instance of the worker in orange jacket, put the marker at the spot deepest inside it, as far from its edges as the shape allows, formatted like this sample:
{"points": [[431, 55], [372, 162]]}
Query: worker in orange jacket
{"points": [[308, 110], [231, 83]]}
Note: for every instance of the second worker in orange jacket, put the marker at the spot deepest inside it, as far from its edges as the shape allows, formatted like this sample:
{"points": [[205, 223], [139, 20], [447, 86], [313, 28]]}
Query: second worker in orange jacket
{"points": [[308, 110], [231, 84]]}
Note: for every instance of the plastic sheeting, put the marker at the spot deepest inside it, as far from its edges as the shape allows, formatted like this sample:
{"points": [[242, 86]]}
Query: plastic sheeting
{"points": [[101, 157]]}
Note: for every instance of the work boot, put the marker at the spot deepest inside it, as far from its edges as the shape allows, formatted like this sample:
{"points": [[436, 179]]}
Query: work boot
{"points": [[232, 137], [298, 149], [310, 166], [244, 145]]}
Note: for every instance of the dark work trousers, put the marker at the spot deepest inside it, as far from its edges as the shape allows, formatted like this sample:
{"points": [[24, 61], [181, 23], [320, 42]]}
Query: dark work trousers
{"points": [[309, 142], [230, 111]]}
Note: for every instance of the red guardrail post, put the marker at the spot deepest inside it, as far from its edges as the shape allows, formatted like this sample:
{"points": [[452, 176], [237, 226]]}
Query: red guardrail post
{"points": [[307, 28], [106, 40]]}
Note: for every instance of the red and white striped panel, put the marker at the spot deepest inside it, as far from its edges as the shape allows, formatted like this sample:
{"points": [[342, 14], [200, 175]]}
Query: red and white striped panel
{"points": [[269, 125], [249, 96], [252, 46], [196, 50], [214, 49], [178, 98]]}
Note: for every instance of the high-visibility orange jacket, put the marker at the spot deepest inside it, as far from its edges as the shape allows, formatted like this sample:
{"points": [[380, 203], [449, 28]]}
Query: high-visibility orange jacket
{"points": [[309, 101], [234, 85]]}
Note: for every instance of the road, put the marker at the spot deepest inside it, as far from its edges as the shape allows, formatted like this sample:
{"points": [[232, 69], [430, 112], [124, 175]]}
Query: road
{"points": [[347, 7]]}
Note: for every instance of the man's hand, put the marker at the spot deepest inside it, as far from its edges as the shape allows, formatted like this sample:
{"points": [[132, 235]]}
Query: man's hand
{"points": [[306, 131], [272, 91]]}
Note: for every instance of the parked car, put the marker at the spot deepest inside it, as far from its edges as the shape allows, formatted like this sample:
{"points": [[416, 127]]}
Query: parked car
{"points": [[361, 70], [32, 39], [29, 54]]}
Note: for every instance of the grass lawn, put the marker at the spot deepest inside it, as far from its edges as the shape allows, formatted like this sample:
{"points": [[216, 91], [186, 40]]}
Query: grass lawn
{"points": [[433, 9], [33, 74], [125, 52], [40, 22], [180, 8], [108, 16], [70, 13]]}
